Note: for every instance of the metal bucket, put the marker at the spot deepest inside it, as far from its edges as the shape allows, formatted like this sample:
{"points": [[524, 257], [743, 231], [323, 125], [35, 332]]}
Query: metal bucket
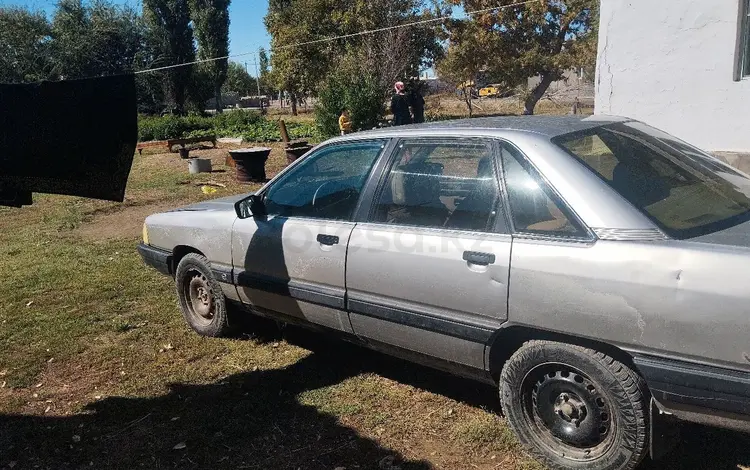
{"points": [[199, 165]]}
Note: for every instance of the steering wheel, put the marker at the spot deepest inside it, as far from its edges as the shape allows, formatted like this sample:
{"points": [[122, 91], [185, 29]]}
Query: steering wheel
{"points": [[315, 196]]}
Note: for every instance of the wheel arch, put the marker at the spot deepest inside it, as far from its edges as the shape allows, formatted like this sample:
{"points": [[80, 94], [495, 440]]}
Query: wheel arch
{"points": [[179, 252], [506, 341]]}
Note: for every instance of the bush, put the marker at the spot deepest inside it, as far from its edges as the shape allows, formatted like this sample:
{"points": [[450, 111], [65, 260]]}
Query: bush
{"points": [[359, 94], [248, 124], [172, 127]]}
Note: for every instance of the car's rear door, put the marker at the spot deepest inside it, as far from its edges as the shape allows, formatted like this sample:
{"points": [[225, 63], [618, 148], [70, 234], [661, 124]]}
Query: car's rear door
{"points": [[292, 261], [427, 271]]}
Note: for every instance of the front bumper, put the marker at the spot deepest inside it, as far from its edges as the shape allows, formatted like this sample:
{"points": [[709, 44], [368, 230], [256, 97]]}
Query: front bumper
{"points": [[161, 260]]}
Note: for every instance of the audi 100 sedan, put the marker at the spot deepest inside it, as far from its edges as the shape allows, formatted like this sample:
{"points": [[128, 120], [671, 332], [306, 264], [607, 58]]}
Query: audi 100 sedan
{"points": [[596, 270]]}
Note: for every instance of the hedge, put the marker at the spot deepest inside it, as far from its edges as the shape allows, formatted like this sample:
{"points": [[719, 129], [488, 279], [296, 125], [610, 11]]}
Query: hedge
{"points": [[250, 125]]}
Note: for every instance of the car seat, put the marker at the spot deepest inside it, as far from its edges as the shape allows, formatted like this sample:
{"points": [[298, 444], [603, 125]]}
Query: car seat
{"points": [[415, 193], [473, 213]]}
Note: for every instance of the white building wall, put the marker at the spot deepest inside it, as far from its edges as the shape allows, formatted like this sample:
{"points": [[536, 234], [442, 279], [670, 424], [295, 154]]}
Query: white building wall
{"points": [[671, 63]]}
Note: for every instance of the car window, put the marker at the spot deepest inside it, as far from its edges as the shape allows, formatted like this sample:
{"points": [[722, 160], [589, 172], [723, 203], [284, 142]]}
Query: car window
{"points": [[325, 185], [440, 184], [685, 192], [533, 207]]}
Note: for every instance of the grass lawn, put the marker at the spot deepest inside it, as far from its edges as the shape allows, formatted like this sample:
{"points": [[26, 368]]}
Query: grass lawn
{"points": [[98, 369]]}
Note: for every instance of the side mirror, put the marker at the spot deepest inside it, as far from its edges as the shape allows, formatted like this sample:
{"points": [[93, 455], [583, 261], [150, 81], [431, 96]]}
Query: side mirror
{"points": [[251, 206]]}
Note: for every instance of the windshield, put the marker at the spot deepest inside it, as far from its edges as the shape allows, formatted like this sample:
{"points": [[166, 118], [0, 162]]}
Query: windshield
{"points": [[684, 191]]}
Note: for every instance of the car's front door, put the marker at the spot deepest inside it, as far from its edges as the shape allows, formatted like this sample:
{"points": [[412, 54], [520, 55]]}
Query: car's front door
{"points": [[292, 260], [428, 271]]}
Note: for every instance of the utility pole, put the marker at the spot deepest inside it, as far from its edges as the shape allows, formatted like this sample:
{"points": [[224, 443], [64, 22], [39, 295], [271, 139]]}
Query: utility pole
{"points": [[257, 76], [247, 92]]}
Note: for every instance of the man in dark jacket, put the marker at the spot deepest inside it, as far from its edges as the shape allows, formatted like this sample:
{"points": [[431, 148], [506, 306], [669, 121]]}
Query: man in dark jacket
{"points": [[417, 103], [400, 106]]}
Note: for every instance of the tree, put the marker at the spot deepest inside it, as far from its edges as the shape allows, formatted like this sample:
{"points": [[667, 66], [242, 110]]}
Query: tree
{"points": [[211, 25], [385, 56], [520, 41], [25, 52], [298, 69], [238, 80], [94, 39], [172, 37], [393, 54], [264, 72], [463, 61]]}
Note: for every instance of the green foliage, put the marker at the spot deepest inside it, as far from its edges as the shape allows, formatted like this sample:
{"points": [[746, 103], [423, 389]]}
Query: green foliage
{"points": [[264, 64], [247, 124], [171, 126], [94, 38], [211, 24], [238, 80], [172, 38], [386, 56], [25, 54], [359, 94], [542, 39]]}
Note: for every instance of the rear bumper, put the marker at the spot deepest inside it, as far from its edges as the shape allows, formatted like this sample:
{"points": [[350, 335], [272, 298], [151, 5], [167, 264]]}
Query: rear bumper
{"points": [[699, 389], [161, 260]]}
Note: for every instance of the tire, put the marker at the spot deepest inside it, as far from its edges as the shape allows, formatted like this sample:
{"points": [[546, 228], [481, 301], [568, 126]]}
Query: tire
{"points": [[575, 408], [201, 299]]}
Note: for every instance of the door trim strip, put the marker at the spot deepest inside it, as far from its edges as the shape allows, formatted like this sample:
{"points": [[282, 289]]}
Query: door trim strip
{"points": [[469, 332], [315, 294]]}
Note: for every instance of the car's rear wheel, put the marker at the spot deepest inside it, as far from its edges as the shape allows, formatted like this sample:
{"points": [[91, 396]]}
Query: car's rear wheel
{"points": [[201, 299], [574, 407]]}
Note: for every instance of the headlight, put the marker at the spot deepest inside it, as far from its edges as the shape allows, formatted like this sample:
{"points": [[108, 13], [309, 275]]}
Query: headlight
{"points": [[145, 234]]}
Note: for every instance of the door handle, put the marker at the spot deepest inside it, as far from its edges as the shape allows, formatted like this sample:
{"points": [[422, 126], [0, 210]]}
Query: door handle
{"points": [[328, 239], [478, 257]]}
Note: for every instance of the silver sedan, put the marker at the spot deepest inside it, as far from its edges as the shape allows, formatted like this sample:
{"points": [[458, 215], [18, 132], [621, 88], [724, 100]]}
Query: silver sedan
{"points": [[596, 270]]}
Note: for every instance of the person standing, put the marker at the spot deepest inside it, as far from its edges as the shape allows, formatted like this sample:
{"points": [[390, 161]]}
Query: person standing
{"points": [[345, 122], [400, 106], [417, 103]]}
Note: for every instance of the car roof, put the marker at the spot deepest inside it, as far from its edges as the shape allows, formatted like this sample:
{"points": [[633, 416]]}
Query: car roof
{"points": [[548, 126]]}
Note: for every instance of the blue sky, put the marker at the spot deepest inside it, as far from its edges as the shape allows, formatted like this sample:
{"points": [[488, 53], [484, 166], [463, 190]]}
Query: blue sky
{"points": [[246, 30]]}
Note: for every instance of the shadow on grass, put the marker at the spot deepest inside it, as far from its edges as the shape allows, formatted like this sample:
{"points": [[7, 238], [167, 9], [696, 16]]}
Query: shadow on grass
{"points": [[248, 420], [254, 420]]}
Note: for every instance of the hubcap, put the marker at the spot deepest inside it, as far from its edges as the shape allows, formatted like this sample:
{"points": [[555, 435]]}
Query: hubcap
{"points": [[200, 295], [566, 406]]}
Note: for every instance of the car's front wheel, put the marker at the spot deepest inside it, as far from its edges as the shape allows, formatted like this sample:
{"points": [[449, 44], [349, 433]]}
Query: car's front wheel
{"points": [[574, 407], [201, 298]]}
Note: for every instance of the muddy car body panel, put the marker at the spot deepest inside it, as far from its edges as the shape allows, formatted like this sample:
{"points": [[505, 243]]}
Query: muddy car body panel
{"points": [[635, 273]]}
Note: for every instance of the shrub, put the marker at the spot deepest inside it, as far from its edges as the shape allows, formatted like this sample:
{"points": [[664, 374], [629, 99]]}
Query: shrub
{"points": [[171, 127], [247, 124], [359, 94]]}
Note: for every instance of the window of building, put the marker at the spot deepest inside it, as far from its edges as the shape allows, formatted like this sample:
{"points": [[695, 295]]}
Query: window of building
{"points": [[441, 184]]}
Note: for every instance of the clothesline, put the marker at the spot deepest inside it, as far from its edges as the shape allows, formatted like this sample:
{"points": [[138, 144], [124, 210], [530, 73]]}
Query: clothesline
{"points": [[334, 38]]}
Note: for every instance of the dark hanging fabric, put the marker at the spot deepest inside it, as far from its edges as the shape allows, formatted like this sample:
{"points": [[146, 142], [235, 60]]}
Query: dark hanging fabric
{"points": [[74, 137]]}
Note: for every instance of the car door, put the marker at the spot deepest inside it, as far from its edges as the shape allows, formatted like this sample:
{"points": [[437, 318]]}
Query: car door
{"points": [[291, 261], [428, 270]]}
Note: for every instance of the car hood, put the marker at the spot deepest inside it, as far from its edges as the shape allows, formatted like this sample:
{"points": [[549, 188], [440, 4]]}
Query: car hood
{"points": [[220, 204], [739, 235]]}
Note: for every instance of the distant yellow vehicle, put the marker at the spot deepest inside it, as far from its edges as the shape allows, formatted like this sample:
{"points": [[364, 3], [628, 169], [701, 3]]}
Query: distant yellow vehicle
{"points": [[491, 91]]}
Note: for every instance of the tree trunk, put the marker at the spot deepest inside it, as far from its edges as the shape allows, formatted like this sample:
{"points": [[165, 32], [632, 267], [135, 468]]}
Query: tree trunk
{"points": [[537, 93], [467, 100], [217, 95], [293, 101]]}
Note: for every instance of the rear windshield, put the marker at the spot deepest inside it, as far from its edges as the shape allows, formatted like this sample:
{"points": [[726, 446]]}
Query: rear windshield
{"points": [[684, 191]]}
